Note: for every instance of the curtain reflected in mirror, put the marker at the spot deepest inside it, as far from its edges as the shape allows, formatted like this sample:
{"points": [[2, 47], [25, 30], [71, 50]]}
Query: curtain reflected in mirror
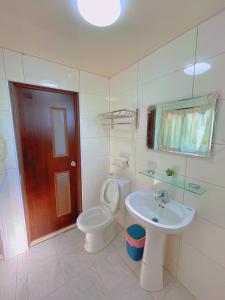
{"points": [[184, 126]]}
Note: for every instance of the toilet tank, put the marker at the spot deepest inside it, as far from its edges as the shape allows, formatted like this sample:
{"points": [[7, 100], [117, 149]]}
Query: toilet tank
{"points": [[125, 189]]}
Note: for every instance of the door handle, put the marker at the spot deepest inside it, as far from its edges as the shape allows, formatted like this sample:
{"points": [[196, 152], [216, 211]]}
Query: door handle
{"points": [[73, 163]]}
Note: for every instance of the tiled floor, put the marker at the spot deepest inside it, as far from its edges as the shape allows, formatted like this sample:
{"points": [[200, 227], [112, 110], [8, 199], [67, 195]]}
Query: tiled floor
{"points": [[60, 269]]}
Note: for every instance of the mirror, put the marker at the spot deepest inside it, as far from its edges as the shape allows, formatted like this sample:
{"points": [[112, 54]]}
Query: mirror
{"points": [[184, 126]]}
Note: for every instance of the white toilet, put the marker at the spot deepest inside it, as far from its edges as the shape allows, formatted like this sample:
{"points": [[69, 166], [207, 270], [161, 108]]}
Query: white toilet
{"points": [[99, 223]]}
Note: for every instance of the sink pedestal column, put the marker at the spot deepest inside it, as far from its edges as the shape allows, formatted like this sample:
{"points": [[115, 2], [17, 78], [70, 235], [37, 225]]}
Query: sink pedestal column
{"points": [[151, 276]]}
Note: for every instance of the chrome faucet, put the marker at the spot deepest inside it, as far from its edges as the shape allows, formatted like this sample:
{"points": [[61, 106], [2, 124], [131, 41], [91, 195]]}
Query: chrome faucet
{"points": [[162, 196]]}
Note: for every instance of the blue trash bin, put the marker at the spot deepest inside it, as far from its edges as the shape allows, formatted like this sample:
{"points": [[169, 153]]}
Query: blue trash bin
{"points": [[135, 239]]}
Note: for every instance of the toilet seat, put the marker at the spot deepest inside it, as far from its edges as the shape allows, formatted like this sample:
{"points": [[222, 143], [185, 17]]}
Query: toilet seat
{"points": [[109, 196], [94, 219], [99, 217]]}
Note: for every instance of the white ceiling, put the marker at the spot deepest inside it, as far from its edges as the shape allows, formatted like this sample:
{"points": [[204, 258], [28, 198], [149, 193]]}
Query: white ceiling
{"points": [[53, 29]]}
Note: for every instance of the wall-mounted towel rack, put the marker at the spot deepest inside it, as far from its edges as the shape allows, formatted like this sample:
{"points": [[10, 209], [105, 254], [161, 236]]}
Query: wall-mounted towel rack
{"points": [[116, 115]]}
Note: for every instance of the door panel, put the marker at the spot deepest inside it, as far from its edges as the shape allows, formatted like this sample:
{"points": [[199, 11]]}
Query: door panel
{"points": [[47, 123]]}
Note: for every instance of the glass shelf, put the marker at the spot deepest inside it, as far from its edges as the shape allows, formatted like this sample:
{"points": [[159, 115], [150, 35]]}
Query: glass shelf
{"points": [[179, 183]]}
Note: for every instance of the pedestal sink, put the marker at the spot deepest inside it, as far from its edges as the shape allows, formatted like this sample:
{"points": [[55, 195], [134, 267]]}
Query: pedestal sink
{"points": [[159, 219]]}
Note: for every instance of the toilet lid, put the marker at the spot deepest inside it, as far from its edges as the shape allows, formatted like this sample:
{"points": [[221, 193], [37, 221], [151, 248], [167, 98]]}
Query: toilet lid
{"points": [[109, 197]]}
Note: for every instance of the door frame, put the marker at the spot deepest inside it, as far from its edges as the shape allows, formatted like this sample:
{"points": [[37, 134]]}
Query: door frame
{"points": [[14, 103]]}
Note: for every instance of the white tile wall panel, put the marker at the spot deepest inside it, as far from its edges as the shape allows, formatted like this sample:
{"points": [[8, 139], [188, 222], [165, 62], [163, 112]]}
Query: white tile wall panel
{"points": [[45, 73], [207, 238], [174, 86], [94, 84], [173, 56], [201, 275], [209, 169], [211, 40], [2, 68], [91, 104], [213, 80], [209, 206], [94, 147], [126, 80], [13, 65]]}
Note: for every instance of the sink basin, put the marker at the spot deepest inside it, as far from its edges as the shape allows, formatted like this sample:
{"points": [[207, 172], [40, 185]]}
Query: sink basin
{"points": [[159, 219], [170, 218]]}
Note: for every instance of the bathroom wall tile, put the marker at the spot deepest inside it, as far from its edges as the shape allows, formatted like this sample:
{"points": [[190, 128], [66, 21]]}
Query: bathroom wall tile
{"points": [[207, 238], [123, 131], [128, 173], [6, 128], [122, 147], [142, 182], [159, 160], [41, 72], [11, 160], [219, 129], [201, 275], [94, 147], [94, 99], [94, 172], [173, 56], [210, 205], [92, 127], [172, 253], [171, 87], [4, 95], [4, 104], [124, 81], [211, 81], [4, 89], [210, 169], [142, 121], [124, 100], [211, 37], [11, 184], [91, 104], [12, 215], [127, 100], [94, 84], [171, 267], [2, 67], [13, 65]]}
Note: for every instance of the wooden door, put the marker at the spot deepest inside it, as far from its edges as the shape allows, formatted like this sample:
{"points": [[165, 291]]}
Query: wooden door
{"points": [[47, 126]]}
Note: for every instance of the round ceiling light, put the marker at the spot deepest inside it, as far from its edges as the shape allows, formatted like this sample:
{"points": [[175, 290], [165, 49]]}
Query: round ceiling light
{"points": [[100, 12], [197, 69]]}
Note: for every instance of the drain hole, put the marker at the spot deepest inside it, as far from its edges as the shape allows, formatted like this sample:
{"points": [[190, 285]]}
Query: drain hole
{"points": [[155, 220]]}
